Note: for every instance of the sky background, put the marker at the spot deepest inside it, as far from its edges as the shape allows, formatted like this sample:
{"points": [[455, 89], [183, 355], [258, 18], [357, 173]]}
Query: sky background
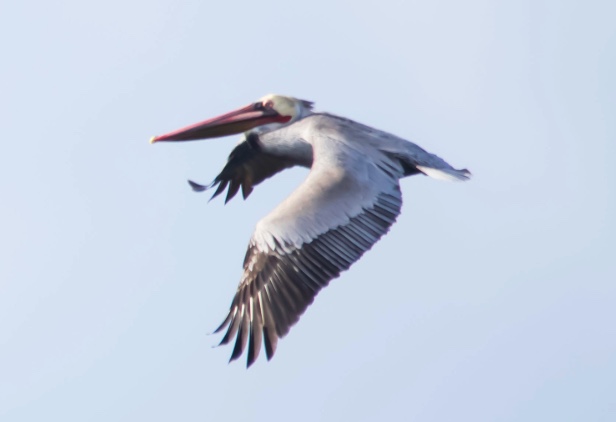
{"points": [[491, 300]]}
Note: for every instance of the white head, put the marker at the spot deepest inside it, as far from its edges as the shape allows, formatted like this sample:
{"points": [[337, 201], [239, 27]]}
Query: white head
{"points": [[294, 108]]}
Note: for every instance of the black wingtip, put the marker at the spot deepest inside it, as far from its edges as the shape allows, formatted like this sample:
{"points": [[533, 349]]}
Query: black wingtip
{"points": [[197, 187], [223, 324]]}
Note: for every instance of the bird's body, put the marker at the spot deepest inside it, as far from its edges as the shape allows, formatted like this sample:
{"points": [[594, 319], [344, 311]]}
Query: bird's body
{"points": [[348, 201]]}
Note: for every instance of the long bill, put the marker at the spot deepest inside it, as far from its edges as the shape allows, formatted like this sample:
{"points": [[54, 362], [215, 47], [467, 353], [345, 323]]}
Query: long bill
{"points": [[237, 121]]}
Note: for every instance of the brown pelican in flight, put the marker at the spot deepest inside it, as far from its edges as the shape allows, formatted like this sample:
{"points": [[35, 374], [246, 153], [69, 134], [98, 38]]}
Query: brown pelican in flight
{"points": [[349, 199]]}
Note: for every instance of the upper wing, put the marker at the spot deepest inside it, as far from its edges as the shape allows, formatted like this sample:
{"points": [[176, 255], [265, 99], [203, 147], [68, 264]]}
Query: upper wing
{"points": [[247, 166], [343, 207]]}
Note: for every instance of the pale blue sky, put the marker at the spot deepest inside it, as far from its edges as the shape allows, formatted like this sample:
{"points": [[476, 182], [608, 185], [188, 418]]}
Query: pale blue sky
{"points": [[492, 300]]}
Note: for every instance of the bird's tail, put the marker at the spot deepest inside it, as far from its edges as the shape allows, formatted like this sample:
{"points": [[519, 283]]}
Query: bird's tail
{"points": [[448, 174]]}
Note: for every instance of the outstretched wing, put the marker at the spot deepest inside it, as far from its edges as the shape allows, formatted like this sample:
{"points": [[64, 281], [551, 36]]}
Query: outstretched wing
{"points": [[326, 225], [247, 166]]}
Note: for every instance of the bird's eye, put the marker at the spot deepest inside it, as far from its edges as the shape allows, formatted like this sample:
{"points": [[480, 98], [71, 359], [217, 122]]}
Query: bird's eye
{"points": [[269, 104]]}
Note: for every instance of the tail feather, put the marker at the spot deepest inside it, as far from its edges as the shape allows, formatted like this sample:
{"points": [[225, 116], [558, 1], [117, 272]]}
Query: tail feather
{"points": [[447, 174]]}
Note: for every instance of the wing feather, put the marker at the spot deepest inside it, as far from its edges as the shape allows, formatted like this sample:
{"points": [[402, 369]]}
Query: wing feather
{"points": [[278, 285], [247, 166]]}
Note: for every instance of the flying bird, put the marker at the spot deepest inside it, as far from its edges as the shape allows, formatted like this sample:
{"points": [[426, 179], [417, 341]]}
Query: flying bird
{"points": [[348, 201]]}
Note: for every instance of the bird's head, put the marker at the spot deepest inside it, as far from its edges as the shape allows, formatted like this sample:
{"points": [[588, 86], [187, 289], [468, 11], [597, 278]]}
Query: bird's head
{"points": [[265, 115]]}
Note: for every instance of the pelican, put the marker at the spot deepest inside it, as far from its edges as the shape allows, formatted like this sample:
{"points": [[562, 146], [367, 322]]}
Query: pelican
{"points": [[348, 201]]}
